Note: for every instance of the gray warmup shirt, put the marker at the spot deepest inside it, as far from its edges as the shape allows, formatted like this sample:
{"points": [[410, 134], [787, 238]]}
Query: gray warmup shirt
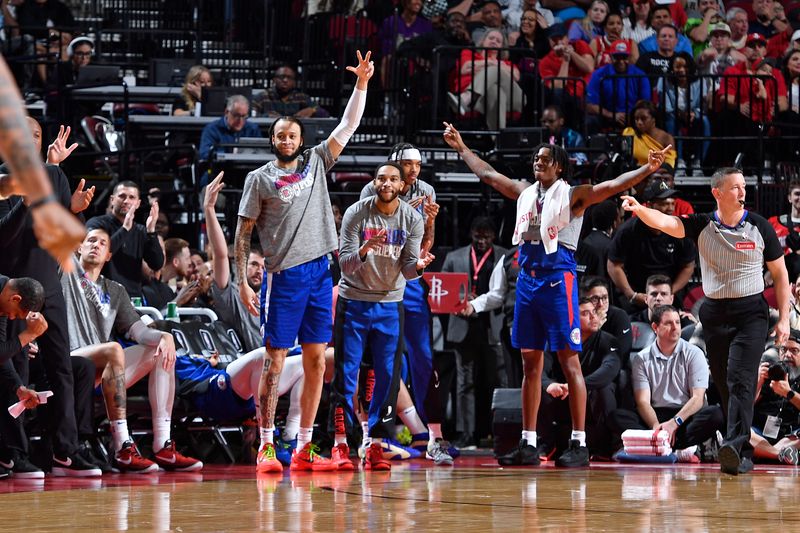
{"points": [[292, 209], [231, 310], [381, 276], [95, 310]]}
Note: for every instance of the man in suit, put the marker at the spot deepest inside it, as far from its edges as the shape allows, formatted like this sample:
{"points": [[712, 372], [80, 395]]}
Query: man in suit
{"points": [[475, 333]]}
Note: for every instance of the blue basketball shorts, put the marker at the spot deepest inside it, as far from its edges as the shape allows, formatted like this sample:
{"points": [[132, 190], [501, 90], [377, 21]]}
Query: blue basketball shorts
{"points": [[546, 312]]}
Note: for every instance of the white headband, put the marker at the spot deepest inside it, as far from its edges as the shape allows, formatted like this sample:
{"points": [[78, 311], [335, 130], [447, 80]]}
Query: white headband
{"points": [[408, 153]]}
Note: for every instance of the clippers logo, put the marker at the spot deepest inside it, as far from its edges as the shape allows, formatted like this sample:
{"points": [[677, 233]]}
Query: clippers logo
{"points": [[292, 185], [575, 336], [437, 292], [745, 245]]}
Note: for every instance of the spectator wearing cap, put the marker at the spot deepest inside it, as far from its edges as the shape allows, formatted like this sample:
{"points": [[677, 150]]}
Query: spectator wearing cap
{"points": [[720, 53], [698, 26], [769, 18], [638, 252], [603, 44], [659, 17], [784, 42], [566, 60], [666, 174], [614, 90]]}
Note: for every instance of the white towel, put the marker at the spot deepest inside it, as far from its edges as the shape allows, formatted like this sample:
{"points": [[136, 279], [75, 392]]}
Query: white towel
{"points": [[555, 213], [648, 450]]}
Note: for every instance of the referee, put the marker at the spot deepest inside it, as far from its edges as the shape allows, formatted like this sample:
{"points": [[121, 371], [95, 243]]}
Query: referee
{"points": [[734, 244]]}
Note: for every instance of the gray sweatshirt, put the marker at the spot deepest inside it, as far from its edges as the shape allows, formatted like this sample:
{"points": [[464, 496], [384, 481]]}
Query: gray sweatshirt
{"points": [[381, 276]]}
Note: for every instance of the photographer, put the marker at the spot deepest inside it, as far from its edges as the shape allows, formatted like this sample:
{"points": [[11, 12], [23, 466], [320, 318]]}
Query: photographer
{"points": [[776, 416]]}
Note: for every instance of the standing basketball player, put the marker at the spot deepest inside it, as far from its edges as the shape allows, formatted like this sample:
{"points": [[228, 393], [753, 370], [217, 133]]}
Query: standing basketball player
{"points": [[548, 224], [288, 200]]}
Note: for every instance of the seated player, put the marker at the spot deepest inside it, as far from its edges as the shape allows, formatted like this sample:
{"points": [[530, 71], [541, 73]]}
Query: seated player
{"points": [[97, 308]]}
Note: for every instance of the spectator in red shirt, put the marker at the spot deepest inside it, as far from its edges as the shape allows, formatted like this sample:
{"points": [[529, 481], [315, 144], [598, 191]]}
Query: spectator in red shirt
{"points": [[566, 60]]}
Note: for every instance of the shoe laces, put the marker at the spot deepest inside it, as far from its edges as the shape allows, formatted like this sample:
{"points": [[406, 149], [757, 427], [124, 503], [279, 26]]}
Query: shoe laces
{"points": [[268, 452], [313, 451]]}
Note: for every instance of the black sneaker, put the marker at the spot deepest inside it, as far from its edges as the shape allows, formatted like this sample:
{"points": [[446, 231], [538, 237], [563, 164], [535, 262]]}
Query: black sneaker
{"points": [[74, 466], [525, 454], [88, 454], [575, 456], [4, 473], [22, 468], [729, 460]]}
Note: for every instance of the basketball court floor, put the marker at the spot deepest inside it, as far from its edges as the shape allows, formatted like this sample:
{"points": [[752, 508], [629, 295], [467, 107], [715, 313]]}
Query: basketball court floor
{"points": [[474, 495]]}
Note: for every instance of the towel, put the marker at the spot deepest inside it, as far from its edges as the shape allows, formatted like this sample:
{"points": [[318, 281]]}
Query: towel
{"points": [[645, 435], [555, 213], [648, 450]]}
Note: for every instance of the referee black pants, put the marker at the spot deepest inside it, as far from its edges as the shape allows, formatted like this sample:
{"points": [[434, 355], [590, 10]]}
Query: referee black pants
{"points": [[735, 330]]}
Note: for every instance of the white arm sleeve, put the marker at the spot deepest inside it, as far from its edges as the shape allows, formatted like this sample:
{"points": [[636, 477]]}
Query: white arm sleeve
{"points": [[140, 333], [351, 117]]}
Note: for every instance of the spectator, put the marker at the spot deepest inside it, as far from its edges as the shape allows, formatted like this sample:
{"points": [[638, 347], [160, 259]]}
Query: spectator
{"points": [[489, 82], [96, 309], [559, 134], [666, 174], [659, 62], [398, 28], [615, 89], [131, 242], [670, 379], [637, 25], [60, 106], [192, 90], [637, 252], [698, 26], [646, 135], [600, 364], [720, 55], [491, 19], [769, 18], [178, 264], [602, 45], [738, 23], [789, 119], [590, 26], [284, 99], [787, 228], [592, 252], [658, 292], [531, 40], [476, 336], [680, 95], [613, 320], [566, 60], [227, 129], [776, 416], [659, 18]]}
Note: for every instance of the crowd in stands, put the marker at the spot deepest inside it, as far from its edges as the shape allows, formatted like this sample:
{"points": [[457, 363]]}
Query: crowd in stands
{"points": [[671, 77]]}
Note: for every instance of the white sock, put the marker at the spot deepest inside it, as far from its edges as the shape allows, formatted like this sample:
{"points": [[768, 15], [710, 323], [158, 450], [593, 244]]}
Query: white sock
{"points": [[304, 437], [267, 435], [365, 440], [529, 436], [435, 432], [291, 427], [579, 436], [376, 440], [119, 433], [161, 432], [339, 439], [411, 419]]}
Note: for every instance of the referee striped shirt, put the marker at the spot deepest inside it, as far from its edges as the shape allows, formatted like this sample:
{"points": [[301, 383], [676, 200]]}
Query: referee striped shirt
{"points": [[732, 257]]}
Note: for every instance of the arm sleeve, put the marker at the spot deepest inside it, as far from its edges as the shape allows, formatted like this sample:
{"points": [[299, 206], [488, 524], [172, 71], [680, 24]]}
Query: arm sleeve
{"points": [[144, 335], [494, 298], [351, 117]]}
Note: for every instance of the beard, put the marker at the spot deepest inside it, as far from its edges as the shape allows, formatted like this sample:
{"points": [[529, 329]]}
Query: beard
{"points": [[286, 158]]}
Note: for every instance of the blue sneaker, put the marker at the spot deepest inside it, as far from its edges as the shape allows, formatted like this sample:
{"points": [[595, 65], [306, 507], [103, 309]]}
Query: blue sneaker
{"points": [[284, 449], [419, 442], [394, 451]]}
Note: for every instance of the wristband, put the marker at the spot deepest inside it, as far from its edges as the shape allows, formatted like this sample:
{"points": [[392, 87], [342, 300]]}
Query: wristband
{"points": [[633, 297], [678, 420], [43, 200], [790, 395]]}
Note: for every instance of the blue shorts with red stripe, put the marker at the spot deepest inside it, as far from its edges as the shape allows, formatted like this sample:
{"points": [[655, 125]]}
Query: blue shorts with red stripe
{"points": [[300, 305], [546, 311]]}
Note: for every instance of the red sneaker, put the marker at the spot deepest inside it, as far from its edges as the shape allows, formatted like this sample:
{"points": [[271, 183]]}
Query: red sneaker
{"points": [[168, 458], [266, 461], [373, 459], [340, 456], [309, 460], [129, 460]]}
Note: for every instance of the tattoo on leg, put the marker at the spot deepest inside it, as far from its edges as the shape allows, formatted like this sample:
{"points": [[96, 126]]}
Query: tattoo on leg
{"points": [[115, 395], [268, 393]]}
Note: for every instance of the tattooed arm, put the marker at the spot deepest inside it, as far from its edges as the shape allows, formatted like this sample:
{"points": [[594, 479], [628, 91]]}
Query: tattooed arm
{"points": [[57, 230], [241, 248]]}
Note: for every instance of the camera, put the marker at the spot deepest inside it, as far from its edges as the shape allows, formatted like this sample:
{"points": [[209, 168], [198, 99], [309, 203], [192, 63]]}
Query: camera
{"points": [[778, 371]]}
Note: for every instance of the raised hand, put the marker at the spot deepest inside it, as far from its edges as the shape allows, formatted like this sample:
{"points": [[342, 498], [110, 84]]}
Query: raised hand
{"points": [[212, 191], [364, 70], [629, 203], [150, 224], [430, 208], [58, 232], [452, 137], [81, 199], [59, 151], [425, 259], [656, 158]]}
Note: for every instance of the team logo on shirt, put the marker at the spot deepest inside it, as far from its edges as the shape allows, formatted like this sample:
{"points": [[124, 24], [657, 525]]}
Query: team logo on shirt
{"points": [[292, 185], [575, 336], [391, 247]]}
